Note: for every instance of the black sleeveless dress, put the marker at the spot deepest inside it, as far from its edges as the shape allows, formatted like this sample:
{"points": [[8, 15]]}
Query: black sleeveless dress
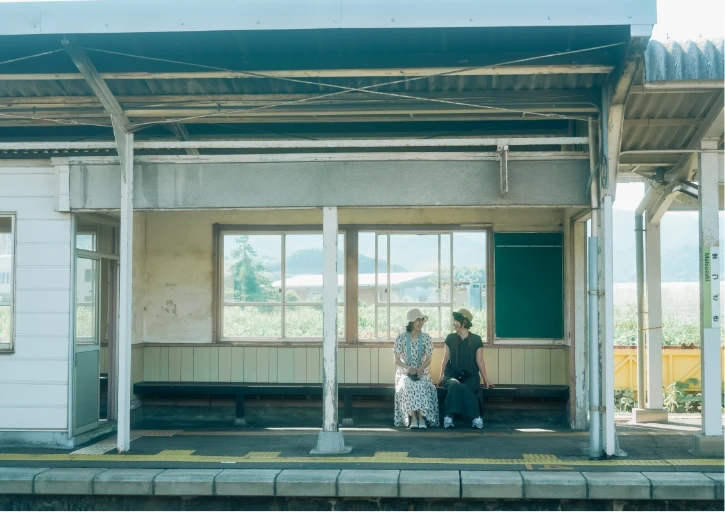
{"points": [[462, 397]]}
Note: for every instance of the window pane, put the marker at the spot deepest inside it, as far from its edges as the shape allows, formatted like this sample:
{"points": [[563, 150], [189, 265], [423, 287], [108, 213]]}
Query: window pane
{"points": [[252, 322], [303, 268], [469, 275], [6, 281], [86, 235], [86, 300], [6, 260], [252, 268], [4, 324], [446, 267], [382, 269], [414, 268], [107, 239], [303, 322], [366, 286], [398, 320], [341, 321]]}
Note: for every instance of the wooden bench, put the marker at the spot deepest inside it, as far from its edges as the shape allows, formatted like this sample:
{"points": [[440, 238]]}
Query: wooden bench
{"points": [[345, 391]]}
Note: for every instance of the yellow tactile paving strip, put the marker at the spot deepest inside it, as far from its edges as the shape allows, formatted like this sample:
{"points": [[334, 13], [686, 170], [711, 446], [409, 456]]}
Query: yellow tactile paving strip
{"points": [[189, 456], [99, 452]]}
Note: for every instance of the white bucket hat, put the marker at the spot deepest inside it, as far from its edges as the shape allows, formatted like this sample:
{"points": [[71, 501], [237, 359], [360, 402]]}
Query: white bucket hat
{"points": [[415, 314]]}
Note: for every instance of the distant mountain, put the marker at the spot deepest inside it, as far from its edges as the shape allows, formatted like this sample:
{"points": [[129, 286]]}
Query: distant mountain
{"points": [[680, 252], [680, 248]]}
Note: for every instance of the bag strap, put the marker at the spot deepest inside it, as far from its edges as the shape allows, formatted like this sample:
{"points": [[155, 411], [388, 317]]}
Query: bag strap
{"points": [[408, 349]]}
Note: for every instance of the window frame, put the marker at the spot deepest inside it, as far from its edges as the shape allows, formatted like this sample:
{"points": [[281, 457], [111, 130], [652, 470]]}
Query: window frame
{"points": [[218, 302], [439, 230], [9, 346]]}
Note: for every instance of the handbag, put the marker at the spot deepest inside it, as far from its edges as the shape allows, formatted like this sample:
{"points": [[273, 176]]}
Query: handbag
{"points": [[408, 350]]}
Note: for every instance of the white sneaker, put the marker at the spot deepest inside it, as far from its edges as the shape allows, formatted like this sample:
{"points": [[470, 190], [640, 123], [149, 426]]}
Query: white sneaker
{"points": [[421, 424], [413, 424], [447, 422], [477, 423]]}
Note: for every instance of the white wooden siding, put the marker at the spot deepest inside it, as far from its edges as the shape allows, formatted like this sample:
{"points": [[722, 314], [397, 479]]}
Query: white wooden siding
{"points": [[34, 379]]}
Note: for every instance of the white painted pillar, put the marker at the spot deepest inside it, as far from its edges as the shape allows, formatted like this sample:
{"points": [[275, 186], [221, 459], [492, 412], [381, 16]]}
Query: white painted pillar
{"points": [[710, 265], [653, 283], [124, 141], [606, 323], [330, 440], [580, 407]]}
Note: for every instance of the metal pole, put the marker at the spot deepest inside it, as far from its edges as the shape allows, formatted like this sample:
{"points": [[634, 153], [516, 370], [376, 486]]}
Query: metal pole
{"points": [[595, 449], [330, 440], [595, 444], [639, 246]]}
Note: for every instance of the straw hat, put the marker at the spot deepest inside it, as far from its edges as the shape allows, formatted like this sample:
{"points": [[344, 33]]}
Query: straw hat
{"points": [[466, 314], [415, 314]]}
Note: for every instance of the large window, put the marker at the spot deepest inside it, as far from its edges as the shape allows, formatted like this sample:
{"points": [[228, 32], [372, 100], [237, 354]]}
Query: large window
{"points": [[7, 280], [271, 285], [435, 271]]}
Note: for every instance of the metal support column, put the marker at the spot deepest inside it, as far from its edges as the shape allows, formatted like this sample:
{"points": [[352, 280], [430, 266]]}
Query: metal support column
{"points": [[606, 323], [710, 441], [653, 276], [330, 440], [125, 325], [649, 278]]}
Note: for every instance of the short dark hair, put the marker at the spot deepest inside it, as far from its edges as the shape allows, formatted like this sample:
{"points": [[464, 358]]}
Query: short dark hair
{"points": [[465, 322], [409, 327]]}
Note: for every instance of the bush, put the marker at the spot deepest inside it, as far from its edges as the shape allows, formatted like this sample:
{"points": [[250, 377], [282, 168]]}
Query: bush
{"points": [[678, 399], [623, 400]]}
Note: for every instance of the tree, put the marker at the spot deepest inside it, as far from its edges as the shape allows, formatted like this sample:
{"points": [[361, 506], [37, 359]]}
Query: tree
{"points": [[251, 284]]}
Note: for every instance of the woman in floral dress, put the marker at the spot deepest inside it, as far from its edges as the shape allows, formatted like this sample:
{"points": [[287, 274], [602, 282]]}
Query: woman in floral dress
{"points": [[416, 399]]}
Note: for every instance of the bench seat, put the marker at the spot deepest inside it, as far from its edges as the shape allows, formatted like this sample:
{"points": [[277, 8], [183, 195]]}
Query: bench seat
{"points": [[346, 392]]}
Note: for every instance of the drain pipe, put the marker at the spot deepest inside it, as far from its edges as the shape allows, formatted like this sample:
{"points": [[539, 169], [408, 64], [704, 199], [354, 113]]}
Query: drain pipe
{"points": [[639, 246], [595, 440]]}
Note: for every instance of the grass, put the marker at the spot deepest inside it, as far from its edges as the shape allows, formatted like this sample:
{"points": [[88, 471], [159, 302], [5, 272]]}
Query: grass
{"points": [[306, 321], [676, 330]]}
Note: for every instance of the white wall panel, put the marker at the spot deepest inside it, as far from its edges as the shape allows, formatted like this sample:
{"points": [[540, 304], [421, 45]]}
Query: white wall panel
{"points": [[27, 185], [43, 301], [35, 418], [29, 208], [28, 394], [43, 231], [34, 379], [42, 324], [43, 255], [27, 370], [42, 278], [39, 347]]}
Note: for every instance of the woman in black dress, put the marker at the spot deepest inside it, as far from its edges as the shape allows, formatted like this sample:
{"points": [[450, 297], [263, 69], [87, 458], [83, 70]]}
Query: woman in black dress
{"points": [[462, 364]]}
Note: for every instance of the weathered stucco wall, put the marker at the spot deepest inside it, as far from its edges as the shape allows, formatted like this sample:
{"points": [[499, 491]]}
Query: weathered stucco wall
{"points": [[177, 280]]}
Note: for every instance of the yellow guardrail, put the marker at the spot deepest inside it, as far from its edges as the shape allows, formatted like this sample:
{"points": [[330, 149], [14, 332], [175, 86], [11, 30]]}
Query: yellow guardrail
{"points": [[678, 364]]}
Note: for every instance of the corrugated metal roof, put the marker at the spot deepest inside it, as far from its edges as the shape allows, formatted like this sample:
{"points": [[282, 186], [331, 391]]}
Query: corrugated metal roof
{"points": [[685, 60], [668, 119]]}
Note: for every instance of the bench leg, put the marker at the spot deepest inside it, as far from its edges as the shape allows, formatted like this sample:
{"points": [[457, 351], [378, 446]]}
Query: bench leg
{"points": [[347, 411], [240, 420]]}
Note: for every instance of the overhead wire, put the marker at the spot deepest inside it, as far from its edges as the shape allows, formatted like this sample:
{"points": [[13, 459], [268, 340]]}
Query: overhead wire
{"points": [[18, 59], [347, 89]]}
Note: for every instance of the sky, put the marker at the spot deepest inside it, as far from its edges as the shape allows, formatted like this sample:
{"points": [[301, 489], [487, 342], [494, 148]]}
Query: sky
{"points": [[678, 19]]}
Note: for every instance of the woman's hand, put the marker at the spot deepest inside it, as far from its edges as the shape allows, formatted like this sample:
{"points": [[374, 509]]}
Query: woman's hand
{"points": [[419, 371], [488, 385]]}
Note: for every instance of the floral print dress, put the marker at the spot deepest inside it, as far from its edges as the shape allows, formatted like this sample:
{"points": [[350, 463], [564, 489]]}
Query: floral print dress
{"points": [[413, 395]]}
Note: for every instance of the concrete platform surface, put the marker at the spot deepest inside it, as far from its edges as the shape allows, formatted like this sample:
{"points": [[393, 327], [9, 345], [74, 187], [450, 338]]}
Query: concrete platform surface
{"points": [[446, 484], [650, 448]]}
